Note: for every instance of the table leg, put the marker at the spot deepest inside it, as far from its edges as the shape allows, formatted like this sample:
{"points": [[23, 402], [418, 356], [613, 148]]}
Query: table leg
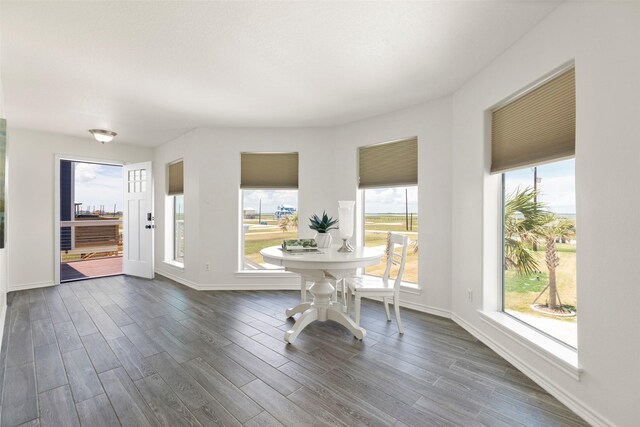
{"points": [[317, 310], [322, 309], [337, 315], [297, 309], [307, 317]]}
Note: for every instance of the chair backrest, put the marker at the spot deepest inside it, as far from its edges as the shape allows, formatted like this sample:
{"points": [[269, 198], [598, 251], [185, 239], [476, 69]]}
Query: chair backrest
{"points": [[394, 258]]}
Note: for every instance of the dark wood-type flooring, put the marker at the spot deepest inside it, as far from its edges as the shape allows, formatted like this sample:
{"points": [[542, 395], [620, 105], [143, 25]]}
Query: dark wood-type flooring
{"points": [[134, 352]]}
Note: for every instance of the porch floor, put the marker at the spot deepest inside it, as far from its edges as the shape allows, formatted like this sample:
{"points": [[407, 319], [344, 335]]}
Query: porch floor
{"points": [[77, 270]]}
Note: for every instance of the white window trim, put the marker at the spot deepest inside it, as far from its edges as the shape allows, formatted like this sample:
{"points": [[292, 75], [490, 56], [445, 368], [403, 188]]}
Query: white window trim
{"points": [[173, 229], [169, 232], [560, 355], [174, 264], [546, 347]]}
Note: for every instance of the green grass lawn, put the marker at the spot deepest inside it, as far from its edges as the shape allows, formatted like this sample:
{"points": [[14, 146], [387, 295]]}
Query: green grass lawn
{"points": [[520, 291], [255, 242], [257, 238]]}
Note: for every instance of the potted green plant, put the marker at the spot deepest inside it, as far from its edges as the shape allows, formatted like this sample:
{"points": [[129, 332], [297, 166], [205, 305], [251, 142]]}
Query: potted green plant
{"points": [[323, 225]]}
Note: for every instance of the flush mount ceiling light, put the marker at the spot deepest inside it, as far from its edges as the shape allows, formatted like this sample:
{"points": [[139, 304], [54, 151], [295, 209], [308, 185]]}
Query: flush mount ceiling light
{"points": [[102, 135]]}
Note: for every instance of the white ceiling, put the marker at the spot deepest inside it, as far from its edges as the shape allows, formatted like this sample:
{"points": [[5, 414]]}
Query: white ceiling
{"points": [[152, 71]]}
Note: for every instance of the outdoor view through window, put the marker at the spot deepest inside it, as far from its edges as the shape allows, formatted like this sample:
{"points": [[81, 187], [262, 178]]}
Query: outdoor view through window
{"points": [[178, 228], [392, 209], [269, 217], [540, 248]]}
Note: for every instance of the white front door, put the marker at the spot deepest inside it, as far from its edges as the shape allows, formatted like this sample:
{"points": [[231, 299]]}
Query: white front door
{"points": [[138, 220]]}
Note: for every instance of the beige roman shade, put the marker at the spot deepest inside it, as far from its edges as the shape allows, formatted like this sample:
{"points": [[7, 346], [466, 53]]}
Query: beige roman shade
{"points": [[389, 164], [176, 178], [536, 127], [269, 170]]}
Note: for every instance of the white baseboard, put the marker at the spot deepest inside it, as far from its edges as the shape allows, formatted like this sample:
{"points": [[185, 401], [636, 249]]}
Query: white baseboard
{"points": [[175, 278], [3, 314], [27, 286], [284, 287], [421, 308], [588, 414], [426, 309], [229, 287]]}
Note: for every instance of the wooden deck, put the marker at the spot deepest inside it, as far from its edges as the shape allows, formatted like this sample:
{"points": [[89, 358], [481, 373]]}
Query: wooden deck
{"points": [[86, 269]]}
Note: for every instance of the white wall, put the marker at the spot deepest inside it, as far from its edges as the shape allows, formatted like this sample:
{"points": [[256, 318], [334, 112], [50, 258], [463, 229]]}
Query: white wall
{"points": [[212, 198], [327, 173], [603, 38], [31, 208]]}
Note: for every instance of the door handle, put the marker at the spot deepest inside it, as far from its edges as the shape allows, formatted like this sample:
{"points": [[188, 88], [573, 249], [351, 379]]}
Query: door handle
{"points": [[149, 227]]}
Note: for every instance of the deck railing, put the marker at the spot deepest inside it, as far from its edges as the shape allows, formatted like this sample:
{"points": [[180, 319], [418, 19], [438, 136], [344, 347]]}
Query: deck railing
{"points": [[91, 236]]}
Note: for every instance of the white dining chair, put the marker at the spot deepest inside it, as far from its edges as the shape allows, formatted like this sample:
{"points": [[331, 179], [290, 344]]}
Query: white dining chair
{"points": [[384, 287]]}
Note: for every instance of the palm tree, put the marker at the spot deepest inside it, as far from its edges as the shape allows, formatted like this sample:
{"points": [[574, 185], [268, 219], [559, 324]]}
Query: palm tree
{"points": [[289, 221], [524, 218], [554, 231]]}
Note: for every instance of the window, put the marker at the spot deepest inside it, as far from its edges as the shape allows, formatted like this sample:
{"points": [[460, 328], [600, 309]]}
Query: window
{"points": [[268, 217], [269, 194], [540, 241], [178, 228], [388, 178], [532, 138], [175, 211], [392, 209]]}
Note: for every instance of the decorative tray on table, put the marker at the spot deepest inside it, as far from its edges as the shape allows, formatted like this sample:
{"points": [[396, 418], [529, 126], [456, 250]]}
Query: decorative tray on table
{"points": [[300, 246]]}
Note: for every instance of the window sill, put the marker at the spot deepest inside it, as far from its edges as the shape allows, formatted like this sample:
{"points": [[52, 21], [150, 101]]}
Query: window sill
{"points": [[174, 264], [561, 356], [410, 288], [273, 274]]}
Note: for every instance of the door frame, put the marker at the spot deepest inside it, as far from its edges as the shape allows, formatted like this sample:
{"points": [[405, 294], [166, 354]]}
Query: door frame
{"points": [[56, 202]]}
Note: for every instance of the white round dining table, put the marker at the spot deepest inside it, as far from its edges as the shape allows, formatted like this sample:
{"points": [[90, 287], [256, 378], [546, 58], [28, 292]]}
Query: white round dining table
{"points": [[322, 268]]}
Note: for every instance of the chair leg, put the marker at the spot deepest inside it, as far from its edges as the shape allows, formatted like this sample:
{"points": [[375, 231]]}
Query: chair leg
{"points": [[303, 289], [345, 289], [386, 308], [358, 309], [396, 308]]}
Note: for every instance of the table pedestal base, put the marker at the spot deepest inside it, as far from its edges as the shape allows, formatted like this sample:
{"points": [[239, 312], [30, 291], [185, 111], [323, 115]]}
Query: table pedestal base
{"points": [[321, 309]]}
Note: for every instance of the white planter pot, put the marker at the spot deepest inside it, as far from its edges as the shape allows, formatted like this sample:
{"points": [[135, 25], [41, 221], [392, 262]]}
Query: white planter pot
{"points": [[323, 240]]}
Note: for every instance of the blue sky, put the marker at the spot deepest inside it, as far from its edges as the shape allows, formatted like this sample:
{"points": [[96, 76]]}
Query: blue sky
{"points": [[99, 185], [378, 200], [557, 188], [390, 200], [102, 185], [270, 199]]}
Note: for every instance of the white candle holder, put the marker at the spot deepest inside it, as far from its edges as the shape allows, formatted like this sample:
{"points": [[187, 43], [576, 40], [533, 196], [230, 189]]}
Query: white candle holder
{"points": [[345, 217]]}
